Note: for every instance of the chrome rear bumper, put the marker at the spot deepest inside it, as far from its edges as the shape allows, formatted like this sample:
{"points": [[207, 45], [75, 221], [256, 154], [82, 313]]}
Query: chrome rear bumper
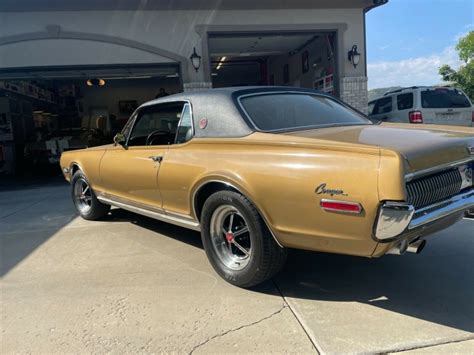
{"points": [[397, 219]]}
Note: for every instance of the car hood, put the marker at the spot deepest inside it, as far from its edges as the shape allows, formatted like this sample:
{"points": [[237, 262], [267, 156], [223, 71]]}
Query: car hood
{"points": [[422, 146]]}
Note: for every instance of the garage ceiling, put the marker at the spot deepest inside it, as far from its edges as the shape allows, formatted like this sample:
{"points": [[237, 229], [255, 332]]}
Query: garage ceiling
{"points": [[113, 72], [256, 45]]}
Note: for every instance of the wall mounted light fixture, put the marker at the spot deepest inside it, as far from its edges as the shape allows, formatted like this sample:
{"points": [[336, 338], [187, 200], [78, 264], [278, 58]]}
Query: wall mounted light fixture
{"points": [[195, 60], [354, 56]]}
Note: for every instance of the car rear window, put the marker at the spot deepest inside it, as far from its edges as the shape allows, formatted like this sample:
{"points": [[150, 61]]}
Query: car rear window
{"points": [[444, 98], [290, 111]]}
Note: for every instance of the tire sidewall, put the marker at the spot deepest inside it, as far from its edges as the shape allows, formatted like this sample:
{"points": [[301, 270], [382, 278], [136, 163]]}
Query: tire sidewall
{"points": [[78, 175], [245, 275]]}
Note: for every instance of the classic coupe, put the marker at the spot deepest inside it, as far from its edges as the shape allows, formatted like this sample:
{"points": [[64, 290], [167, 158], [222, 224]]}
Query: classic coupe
{"points": [[259, 170]]}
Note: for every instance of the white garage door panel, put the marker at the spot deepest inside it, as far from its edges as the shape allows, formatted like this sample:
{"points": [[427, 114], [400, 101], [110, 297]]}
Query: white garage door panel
{"points": [[50, 52]]}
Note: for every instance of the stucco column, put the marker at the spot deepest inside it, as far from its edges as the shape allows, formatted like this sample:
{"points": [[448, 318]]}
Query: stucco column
{"points": [[353, 90], [200, 79]]}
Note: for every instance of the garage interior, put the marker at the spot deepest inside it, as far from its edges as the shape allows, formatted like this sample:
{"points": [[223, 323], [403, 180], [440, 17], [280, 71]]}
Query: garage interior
{"points": [[301, 59], [45, 111]]}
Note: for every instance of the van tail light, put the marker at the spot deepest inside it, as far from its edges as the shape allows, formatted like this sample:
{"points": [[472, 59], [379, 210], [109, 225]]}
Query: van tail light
{"points": [[415, 117], [472, 117], [341, 206]]}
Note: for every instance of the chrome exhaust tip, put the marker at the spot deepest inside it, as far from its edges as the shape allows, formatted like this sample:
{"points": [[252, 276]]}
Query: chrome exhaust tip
{"points": [[416, 247], [399, 249]]}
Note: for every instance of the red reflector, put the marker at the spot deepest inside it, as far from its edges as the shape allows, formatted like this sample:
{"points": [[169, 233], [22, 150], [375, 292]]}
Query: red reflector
{"points": [[341, 206], [415, 117]]}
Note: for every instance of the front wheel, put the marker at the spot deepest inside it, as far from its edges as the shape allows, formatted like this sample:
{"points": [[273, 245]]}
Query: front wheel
{"points": [[238, 244], [85, 200]]}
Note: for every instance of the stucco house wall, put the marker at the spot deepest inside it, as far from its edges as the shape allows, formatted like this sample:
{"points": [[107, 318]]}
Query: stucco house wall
{"points": [[51, 38]]}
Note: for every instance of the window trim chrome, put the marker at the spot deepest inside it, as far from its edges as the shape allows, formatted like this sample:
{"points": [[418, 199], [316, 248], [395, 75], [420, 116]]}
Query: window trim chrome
{"points": [[142, 107], [187, 103]]}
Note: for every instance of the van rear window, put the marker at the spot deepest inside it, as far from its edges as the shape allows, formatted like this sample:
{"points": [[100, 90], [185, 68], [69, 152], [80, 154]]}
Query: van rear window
{"points": [[444, 98]]}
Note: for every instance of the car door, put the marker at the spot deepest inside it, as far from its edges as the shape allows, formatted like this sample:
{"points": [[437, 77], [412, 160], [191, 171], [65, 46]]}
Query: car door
{"points": [[180, 169], [129, 172]]}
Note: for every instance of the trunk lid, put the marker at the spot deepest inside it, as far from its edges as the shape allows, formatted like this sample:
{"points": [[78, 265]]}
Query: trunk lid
{"points": [[422, 146]]}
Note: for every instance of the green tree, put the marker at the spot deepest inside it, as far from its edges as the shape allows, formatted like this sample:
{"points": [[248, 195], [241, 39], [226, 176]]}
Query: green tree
{"points": [[464, 76]]}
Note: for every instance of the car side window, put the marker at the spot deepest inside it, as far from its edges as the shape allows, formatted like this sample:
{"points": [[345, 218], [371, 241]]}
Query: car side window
{"points": [[185, 129], [156, 125], [383, 106], [405, 101]]}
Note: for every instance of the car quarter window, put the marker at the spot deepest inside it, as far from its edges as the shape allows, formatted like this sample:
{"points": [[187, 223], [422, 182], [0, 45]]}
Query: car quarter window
{"points": [[405, 101], [156, 124], [383, 106], [185, 129]]}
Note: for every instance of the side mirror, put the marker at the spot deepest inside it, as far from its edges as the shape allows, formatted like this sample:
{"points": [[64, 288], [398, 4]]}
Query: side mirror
{"points": [[119, 139]]}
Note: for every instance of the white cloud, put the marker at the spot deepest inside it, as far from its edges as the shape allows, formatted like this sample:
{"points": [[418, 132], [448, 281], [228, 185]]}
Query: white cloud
{"points": [[411, 72]]}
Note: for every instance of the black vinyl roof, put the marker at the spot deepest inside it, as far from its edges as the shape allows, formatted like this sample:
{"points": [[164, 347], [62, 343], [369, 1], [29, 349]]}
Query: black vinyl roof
{"points": [[225, 117]]}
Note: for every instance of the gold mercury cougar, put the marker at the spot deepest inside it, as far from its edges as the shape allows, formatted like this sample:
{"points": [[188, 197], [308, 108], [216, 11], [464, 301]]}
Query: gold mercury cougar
{"points": [[262, 169]]}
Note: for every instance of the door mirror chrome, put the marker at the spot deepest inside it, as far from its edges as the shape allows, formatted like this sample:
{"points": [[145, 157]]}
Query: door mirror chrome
{"points": [[120, 139]]}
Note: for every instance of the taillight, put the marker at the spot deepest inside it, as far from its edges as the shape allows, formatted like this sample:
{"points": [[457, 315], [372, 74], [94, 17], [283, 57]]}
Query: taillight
{"points": [[472, 117], [415, 117], [341, 206]]}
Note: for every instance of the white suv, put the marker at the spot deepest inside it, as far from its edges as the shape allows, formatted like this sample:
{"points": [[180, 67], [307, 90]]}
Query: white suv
{"points": [[435, 105]]}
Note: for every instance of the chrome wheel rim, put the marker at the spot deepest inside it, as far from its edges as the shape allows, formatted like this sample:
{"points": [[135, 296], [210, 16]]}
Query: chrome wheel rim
{"points": [[82, 195], [230, 237]]}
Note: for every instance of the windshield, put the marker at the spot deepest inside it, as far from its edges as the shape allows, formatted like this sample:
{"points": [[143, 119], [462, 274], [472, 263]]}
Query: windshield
{"points": [[444, 98], [292, 111]]}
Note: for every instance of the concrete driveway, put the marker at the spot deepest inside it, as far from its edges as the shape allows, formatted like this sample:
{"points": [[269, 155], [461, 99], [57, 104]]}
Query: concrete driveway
{"points": [[132, 284]]}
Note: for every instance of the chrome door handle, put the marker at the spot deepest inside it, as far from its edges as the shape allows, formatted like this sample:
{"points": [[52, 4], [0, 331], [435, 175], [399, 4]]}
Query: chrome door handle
{"points": [[156, 158]]}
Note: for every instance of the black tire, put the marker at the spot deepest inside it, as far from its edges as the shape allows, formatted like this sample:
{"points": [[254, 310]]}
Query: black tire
{"points": [[266, 257], [97, 210]]}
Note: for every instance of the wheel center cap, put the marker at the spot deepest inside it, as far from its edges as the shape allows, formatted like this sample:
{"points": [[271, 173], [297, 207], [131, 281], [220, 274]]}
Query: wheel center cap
{"points": [[229, 236]]}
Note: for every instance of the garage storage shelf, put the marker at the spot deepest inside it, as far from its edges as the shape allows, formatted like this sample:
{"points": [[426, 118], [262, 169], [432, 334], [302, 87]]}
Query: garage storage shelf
{"points": [[325, 84]]}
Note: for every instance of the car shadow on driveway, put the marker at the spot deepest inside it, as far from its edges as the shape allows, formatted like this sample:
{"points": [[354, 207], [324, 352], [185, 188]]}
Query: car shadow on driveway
{"points": [[169, 230], [436, 285]]}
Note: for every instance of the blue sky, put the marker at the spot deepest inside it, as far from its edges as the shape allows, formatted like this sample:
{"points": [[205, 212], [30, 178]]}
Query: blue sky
{"points": [[408, 40]]}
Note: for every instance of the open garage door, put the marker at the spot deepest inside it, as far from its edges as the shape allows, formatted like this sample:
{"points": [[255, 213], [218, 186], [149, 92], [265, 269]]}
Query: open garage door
{"points": [[302, 59], [47, 110]]}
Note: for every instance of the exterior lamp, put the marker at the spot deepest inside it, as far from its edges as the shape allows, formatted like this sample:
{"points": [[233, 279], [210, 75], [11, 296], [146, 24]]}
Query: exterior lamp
{"points": [[195, 60], [354, 56], [95, 82]]}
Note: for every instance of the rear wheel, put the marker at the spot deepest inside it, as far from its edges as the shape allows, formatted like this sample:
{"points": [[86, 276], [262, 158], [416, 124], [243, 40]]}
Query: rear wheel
{"points": [[238, 244], [85, 200]]}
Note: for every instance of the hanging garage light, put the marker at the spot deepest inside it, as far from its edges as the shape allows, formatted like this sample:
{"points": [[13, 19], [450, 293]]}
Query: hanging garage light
{"points": [[95, 82]]}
